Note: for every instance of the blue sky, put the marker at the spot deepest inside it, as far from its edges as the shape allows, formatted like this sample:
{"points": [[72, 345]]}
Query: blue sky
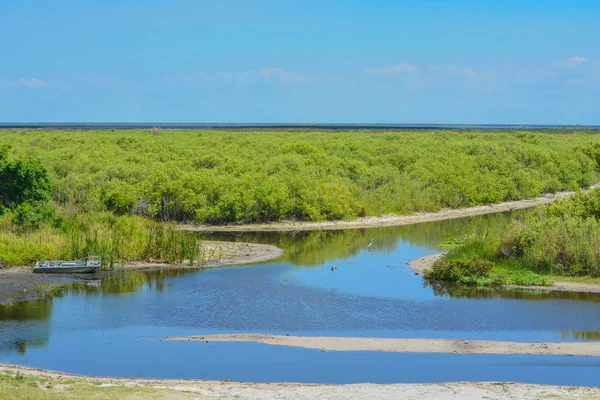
{"points": [[528, 61]]}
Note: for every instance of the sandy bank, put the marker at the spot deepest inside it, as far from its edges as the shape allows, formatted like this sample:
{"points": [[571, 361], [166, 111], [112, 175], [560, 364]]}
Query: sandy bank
{"points": [[421, 264], [19, 284], [178, 389], [220, 254], [385, 220], [409, 345]]}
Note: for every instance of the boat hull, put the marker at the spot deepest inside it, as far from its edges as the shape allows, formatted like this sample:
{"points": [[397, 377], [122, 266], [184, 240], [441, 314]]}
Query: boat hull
{"points": [[64, 270]]}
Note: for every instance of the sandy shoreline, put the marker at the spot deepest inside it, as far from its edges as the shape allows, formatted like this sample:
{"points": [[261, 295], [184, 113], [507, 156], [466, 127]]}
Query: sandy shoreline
{"points": [[220, 254], [385, 220], [19, 284], [395, 345], [199, 389], [419, 266]]}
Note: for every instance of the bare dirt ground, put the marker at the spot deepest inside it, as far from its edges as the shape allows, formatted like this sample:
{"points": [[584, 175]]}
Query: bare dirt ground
{"points": [[421, 264], [205, 390], [20, 284], [385, 220], [394, 345]]}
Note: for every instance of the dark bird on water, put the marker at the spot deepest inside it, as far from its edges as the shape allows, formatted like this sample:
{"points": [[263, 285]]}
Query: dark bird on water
{"points": [[333, 268]]}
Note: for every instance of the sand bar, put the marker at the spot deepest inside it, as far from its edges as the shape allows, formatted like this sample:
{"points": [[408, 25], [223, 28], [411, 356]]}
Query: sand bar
{"points": [[394, 345]]}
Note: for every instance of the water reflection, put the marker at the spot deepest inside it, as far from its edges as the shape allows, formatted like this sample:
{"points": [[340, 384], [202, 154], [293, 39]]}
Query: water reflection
{"points": [[581, 335], [472, 292], [307, 248], [371, 292], [24, 325]]}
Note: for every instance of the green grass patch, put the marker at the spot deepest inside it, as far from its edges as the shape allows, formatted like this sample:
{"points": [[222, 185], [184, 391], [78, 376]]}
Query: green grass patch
{"points": [[30, 387], [472, 264]]}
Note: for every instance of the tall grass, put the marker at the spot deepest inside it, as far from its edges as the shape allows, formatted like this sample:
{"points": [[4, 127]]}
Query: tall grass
{"points": [[114, 239], [559, 239]]}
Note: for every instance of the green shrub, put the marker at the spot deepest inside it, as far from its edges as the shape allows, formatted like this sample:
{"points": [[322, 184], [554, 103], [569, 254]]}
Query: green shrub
{"points": [[463, 271], [119, 198], [33, 215], [22, 180]]}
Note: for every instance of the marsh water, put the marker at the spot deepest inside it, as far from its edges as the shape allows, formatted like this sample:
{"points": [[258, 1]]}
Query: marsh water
{"points": [[109, 326]]}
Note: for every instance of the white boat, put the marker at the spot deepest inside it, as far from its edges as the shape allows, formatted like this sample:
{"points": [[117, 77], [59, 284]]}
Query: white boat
{"points": [[87, 265]]}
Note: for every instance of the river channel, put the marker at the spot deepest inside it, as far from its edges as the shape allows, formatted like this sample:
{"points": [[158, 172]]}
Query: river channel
{"points": [[328, 283]]}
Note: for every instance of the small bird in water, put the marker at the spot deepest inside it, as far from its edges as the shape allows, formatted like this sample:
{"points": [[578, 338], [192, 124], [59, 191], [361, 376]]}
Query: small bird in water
{"points": [[285, 280], [333, 268], [370, 244]]}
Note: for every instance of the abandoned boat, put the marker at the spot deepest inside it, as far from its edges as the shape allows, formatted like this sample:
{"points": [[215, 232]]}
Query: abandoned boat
{"points": [[87, 265]]}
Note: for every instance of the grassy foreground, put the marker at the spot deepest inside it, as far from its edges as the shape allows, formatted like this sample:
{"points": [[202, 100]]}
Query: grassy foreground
{"points": [[17, 386]]}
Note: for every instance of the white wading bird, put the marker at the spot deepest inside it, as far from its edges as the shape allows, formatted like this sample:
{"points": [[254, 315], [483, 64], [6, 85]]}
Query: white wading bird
{"points": [[370, 244]]}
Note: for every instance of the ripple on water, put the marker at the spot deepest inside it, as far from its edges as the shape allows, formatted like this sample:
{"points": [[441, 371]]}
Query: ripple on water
{"points": [[371, 293]]}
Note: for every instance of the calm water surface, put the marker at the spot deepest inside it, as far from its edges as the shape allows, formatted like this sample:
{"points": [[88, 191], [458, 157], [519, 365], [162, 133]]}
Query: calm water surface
{"points": [[110, 328]]}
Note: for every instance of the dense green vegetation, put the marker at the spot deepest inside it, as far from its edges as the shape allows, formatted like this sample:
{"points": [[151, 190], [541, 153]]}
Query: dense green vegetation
{"points": [[561, 239], [31, 230], [104, 192], [255, 176], [463, 267]]}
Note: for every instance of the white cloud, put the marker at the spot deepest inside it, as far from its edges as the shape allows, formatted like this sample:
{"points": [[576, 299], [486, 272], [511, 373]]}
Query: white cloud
{"points": [[29, 83], [22, 82], [575, 61], [391, 69], [455, 70]]}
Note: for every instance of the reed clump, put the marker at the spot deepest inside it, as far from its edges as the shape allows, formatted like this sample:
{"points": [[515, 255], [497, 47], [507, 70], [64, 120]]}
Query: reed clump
{"points": [[116, 239]]}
